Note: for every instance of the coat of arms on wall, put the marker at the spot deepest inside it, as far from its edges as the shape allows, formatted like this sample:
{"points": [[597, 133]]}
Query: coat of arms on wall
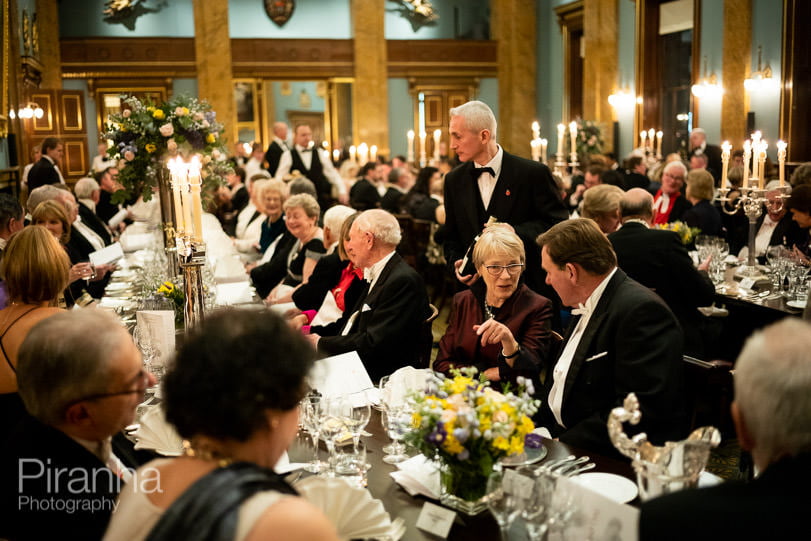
{"points": [[280, 11]]}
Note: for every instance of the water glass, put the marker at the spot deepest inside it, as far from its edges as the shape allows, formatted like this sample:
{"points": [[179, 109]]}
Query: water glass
{"points": [[350, 463], [502, 502], [312, 416], [396, 422]]}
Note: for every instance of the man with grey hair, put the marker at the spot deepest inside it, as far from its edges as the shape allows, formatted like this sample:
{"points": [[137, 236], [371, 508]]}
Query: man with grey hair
{"points": [[59, 474], [712, 153], [385, 325], [669, 204], [400, 181], [88, 192], [774, 227], [772, 415], [277, 147], [493, 183]]}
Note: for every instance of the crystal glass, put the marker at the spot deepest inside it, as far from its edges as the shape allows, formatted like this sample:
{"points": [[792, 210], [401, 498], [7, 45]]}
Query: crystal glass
{"points": [[502, 502], [396, 422], [358, 415], [333, 425], [312, 417]]}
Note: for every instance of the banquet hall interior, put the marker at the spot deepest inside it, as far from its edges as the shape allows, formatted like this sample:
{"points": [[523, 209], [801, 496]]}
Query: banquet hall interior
{"points": [[589, 88]]}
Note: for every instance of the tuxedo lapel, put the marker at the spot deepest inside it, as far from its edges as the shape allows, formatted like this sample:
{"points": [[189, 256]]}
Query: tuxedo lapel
{"points": [[470, 199], [371, 298], [500, 201]]}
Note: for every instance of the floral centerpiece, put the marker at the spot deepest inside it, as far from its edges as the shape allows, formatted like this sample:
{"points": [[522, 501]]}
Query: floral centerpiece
{"points": [[589, 139], [145, 135], [470, 426], [686, 233]]}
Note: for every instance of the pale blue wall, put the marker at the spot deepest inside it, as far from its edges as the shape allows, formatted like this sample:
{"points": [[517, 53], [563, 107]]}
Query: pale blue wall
{"points": [[458, 19], [90, 112], [248, 19], [711, 46], [84, 18], [767, 30], [626, 76], [401, 116], [488, 93], [186, 87], [282, 104], [550, 72]]}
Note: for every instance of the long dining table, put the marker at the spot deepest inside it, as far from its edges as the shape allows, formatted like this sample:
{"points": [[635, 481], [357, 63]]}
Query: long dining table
{"points": [[400, 504]]}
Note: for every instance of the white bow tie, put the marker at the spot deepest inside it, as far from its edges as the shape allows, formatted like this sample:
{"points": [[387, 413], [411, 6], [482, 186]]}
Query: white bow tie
{"points": [[581, 310]]}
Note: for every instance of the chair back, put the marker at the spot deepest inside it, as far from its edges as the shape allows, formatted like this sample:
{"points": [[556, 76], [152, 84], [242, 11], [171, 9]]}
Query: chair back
{"points": [[709, 392]]}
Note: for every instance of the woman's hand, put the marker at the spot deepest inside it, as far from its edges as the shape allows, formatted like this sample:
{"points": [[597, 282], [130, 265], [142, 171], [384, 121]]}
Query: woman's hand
{"points": [[493, 332], [79, 271]]}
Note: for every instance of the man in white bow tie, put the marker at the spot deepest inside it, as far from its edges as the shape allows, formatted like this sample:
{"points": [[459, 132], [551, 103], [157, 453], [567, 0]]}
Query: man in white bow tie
{"points": [[622, 339]]}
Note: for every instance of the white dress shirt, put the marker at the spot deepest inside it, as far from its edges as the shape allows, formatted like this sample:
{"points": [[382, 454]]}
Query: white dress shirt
{"points": [[370, 274], [764, 235], [487, 182], [561, 370], [330, 173]]}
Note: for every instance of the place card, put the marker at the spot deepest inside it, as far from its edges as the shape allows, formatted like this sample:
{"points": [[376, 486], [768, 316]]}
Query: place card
{"points": [[436, 520], [747, 283], [108, 254], [159, 327], [603, 518]]}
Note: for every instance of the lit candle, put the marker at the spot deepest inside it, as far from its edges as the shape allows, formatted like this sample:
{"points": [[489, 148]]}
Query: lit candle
{"points": [[188, 219], [781, 161], [353, 153], [410, 136], [561, 135], [174, 169], [761, 161], [373, 152], [642, 136], [659, 136], [651, 133], [437, 138], [535, 148], [363, 153], [336, 155], [543, 149], [573, 138], [725, 150], [423, 135], [755, 148], [536, 130], [195, 187], [747, 153]]}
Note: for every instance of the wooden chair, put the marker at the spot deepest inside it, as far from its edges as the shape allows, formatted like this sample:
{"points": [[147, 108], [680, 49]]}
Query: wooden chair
{"points": [[406, 247], [709, 393]]}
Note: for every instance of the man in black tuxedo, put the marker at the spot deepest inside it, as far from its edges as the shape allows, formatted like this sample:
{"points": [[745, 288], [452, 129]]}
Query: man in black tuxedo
{"points": [[315, 164], [400, 182], [385, 324], [772, 413], [657, 259], [87, 193], [774, 226], [699, 146], [277, 147], [79, 392], [46, 170], [112, 214], [364, 195], [622, 339], [492, 183]]}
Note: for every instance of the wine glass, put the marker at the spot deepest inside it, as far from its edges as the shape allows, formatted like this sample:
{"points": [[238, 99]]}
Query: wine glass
{"points": [[503, 503], [383, 385], [312, 418], [358, 417], [143, 341], [396, 422], [333, 424], [535, 505]]}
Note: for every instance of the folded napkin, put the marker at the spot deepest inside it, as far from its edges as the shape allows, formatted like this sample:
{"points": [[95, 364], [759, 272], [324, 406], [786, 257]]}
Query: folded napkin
{"points": [[404, 381], [135, 242], [229, 269], [418, 475], [156, 434], [234, 293]]}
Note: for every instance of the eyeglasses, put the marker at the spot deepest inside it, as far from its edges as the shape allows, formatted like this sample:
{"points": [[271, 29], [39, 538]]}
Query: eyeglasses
{"points": [[512, 270], [143, 383]]}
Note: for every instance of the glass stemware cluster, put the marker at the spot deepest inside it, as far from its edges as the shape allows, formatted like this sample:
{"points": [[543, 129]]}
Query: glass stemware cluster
{"points": [[785, 266], [396, 415], [717, 250]]}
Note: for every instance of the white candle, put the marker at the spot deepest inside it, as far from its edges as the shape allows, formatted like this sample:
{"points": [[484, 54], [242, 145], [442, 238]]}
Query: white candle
{"points": [[573, 137], [561, 135], [659, 136], [363, 153], [747, 153], [761, 160], [423, 136], [437, 138], [536, 130], [651, 134], [188, 219], [781, 161], [642, 135], [336, 155], [195, 187], [174, 169], [725, 150], [353, 153], [543, 149], [535, 149], [373, 152], [410, 136]]}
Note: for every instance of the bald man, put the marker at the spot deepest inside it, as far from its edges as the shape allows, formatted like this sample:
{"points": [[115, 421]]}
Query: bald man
{"points": [[277, 147]]}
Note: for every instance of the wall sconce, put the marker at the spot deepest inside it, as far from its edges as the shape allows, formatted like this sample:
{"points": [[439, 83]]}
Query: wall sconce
{"points": [[623, 100], [707, 87], [761, 80], [31, 110]]}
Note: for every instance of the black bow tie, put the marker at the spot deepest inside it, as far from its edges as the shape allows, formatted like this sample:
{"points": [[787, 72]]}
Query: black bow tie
{"points": [[306, 150], [477, 172]]}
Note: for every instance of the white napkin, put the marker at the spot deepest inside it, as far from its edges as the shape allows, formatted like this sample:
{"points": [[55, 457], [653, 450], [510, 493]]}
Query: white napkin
{"points": [[234, 293], [284, 466], [404, 381], [418, 475], [157, 434], [229, 269], [135, 242]]}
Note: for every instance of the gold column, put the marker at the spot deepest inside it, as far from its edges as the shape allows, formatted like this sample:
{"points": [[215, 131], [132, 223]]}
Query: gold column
{"points": [[600, 34], [370, 94], [49, 53], [513, 26], [737, 55], [212, 48]]}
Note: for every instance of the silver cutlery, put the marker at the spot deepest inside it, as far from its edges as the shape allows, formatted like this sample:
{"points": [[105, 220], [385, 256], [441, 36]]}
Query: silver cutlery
{"points": [[571, 466]]}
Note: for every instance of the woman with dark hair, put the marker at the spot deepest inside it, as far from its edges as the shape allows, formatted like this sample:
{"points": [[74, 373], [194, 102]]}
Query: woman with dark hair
{"points": [[233, 395], [800, 206], [424, 198]]}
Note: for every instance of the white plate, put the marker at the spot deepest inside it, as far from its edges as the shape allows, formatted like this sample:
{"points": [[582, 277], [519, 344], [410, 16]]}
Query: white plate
{"points": [[796, 304], [529, 456], [613, 487]]}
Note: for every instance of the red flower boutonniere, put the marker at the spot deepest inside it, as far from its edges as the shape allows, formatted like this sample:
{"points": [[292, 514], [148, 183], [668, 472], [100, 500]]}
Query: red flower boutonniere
{"points": [[507, 193]]}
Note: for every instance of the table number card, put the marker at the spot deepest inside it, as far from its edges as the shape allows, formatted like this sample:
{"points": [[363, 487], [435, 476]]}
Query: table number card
{"points": [[436, 520]]}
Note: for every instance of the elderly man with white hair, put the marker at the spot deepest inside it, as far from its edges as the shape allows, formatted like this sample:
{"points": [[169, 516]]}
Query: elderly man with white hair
{"points": [[384, 325], [700, 147], [772, 415], [87, 192]]}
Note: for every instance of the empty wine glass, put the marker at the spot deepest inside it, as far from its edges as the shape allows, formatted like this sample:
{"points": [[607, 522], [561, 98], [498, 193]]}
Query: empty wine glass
{"points": [[535, 506], [333, 424], [358, 417], [503, 503], [312, 417], [396, 422], [143, 341]]}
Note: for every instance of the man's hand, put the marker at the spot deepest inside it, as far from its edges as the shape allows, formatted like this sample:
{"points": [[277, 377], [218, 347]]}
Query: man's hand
{"points": [[467, 279], [705, 265], [343, 198]]}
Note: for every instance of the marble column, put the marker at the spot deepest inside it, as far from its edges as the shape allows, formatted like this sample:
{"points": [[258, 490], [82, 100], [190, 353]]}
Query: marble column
{"points": [[212, 48], [513, 26], [370, 95], [737, 39], [600, 34], [48, 35]]}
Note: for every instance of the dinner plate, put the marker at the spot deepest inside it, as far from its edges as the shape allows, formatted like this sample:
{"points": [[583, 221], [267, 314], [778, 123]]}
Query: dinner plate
{"points": [[529, 456], [796, 304], [614, 487]]}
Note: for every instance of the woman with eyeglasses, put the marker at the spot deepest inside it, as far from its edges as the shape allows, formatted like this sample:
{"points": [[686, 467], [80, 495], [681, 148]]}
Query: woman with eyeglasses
{"points": [[503, 328]]}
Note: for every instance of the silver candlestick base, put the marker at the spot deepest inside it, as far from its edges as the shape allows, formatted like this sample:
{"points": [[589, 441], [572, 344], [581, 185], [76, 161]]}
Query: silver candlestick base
{"points": [[192, 258]]}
